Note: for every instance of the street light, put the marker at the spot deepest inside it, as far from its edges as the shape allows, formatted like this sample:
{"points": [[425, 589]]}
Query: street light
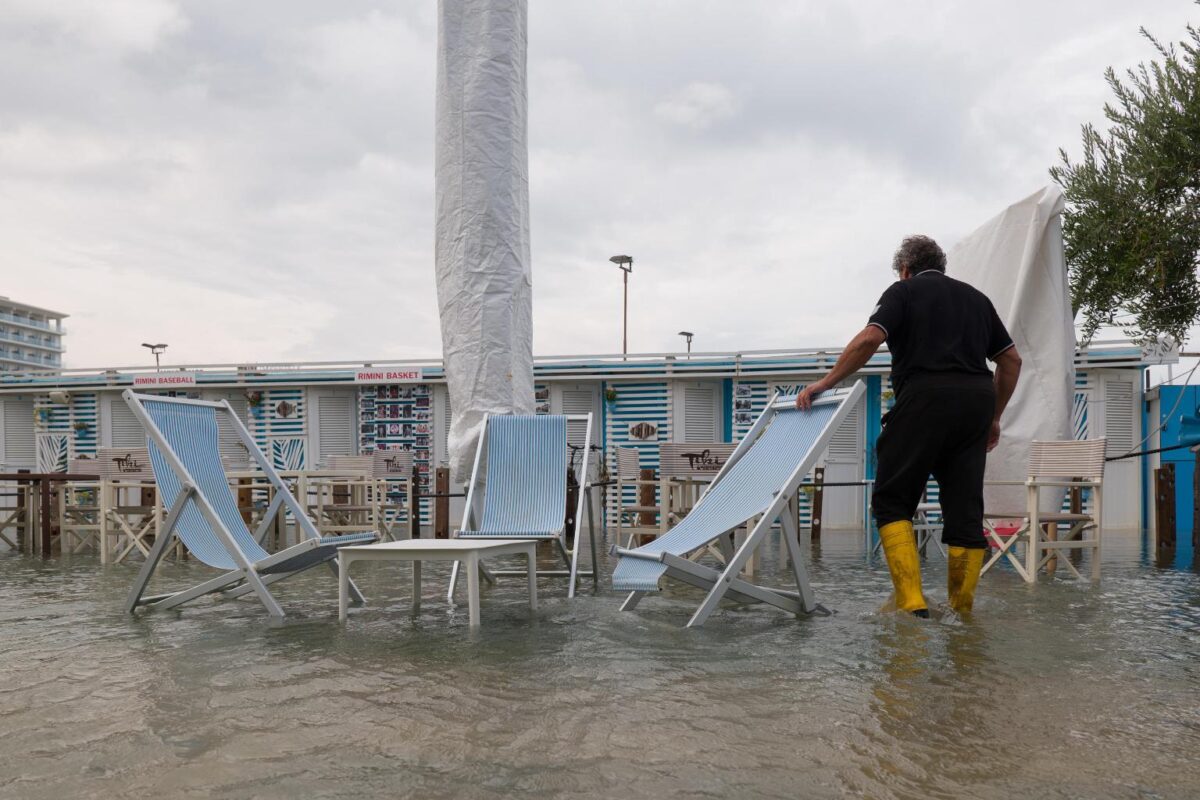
{"points": [[157, 349], [688, 335], [626, 265]]}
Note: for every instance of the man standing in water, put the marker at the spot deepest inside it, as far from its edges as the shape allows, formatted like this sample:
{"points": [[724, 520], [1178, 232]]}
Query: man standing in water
{"points": [[946, 418]]}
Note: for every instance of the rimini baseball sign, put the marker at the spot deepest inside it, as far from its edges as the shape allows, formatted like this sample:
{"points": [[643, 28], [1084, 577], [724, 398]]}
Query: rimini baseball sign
{"points": [[164, 380], [389, 375]]}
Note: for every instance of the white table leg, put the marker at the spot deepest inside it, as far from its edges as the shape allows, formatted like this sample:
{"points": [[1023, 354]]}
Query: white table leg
{"points": [[416, 600], [343, 584], [532, 557], [473, 589]]}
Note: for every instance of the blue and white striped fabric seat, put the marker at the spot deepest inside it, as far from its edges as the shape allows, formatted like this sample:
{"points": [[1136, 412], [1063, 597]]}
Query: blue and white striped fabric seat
{"points": [[526, 483], [191, 431], [745, 491]]}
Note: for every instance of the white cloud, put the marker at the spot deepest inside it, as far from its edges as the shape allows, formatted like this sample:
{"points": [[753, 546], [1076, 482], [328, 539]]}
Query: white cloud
{"points": [[697, 105], [255, 180], [136, 25]]}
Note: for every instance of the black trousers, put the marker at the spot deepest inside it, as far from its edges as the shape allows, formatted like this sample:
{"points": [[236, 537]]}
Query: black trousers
{"points": [[939, 426]]}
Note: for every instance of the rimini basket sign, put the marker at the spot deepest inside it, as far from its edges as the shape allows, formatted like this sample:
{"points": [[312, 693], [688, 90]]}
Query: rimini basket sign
{"points": [[164, 380], [388, 375]]}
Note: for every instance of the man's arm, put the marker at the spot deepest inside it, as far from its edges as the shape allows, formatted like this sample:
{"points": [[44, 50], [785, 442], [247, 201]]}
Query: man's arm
{"points": [[1008, 369], [852, 359]]}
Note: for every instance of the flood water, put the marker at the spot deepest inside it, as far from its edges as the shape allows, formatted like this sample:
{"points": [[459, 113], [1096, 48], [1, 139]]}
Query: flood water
{"points": [[1058, 690]]}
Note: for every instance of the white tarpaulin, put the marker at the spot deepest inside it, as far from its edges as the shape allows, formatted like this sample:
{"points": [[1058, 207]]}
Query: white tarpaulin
{"points": [[1016, 259], [481, 255]]}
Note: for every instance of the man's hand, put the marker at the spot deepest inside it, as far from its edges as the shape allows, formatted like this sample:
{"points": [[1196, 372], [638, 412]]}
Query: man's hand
{"points": [[994, 435], [804, 400]]}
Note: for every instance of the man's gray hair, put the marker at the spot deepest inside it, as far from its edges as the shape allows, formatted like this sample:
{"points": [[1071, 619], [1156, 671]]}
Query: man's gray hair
{"points": [[919, 253]]}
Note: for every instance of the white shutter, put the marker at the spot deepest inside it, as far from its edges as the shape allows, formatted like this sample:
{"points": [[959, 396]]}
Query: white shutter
{"points": [[697, 419], [230, 444], [124, 430], [1119, 417], [444, 434], [335, 426], [20, 448], [846, 444], [577, 401]]}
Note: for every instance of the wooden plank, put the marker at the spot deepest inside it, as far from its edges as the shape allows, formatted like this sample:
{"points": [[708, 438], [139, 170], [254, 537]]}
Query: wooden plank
{"points": [[441, 505], [646, 493], [818, 502], [1164, 510]]}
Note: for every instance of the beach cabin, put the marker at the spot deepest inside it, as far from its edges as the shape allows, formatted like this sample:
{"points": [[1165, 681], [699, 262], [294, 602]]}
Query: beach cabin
{"points": [[303, 414]]}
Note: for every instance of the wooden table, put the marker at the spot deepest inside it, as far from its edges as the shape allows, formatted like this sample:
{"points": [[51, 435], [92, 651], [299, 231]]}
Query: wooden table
{"points": [[468, 551], [40, 483]]}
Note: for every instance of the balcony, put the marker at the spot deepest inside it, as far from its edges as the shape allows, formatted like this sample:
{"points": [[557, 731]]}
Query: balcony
{"points": [[28, 322], [51, 343]]}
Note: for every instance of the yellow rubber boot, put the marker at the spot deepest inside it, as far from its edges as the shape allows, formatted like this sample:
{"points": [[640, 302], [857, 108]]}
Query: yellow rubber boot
{"points": [[900, 549], [962, 576]]}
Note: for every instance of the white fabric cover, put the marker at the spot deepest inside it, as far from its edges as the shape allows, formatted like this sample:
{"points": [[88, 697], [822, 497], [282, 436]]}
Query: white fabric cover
{"points": [[1016, 259], [481, 251]]}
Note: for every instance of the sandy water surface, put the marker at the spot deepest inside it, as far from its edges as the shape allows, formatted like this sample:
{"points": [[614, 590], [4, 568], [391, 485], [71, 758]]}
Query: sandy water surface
{"points": [[1059, 690]]}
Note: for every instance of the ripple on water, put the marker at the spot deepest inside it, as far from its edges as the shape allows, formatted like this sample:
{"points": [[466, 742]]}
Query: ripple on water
{"points": [[1061, 689]]}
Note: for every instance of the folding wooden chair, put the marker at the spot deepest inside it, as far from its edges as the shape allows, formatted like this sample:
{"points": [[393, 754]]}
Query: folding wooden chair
{"points": [[1060, 465]]}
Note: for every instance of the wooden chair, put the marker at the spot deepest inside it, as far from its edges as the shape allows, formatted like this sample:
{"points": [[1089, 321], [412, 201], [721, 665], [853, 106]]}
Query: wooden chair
{"points": [[685, 470], [1061, 465], [343, 502], [393, 469], [129, 510], [373, 495], [628, 474], [79, 512]]}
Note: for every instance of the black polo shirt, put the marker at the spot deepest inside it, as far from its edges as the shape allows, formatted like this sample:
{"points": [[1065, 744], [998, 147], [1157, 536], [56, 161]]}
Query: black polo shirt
{"points": [[935, 324]]}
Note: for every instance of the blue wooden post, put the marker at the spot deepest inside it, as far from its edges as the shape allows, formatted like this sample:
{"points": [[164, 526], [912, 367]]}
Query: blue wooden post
{"points": [[873, 427]]}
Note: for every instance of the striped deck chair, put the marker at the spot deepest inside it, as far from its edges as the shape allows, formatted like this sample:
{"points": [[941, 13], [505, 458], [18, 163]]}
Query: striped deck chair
{"points": [[203, 513], [762, 477], [518, 489]]}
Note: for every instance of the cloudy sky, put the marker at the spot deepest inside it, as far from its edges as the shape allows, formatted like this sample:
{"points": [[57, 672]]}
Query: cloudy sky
{"points": [[254, 180]]}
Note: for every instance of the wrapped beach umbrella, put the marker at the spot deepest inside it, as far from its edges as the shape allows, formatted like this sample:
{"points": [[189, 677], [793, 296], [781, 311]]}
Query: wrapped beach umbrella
{"points": [[484, 280], [1016, 259]]}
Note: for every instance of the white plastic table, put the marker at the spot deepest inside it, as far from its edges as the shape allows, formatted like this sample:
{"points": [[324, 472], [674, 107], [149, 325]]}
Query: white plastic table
{"points": [[468, 551]]}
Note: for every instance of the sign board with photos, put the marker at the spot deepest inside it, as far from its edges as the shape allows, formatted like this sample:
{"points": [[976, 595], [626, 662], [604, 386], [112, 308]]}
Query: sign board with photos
{"points": [[397, 418]]}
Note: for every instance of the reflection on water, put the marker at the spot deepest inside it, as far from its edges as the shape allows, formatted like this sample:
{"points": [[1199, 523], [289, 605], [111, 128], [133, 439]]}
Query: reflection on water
{"points": [[1055, 690]]}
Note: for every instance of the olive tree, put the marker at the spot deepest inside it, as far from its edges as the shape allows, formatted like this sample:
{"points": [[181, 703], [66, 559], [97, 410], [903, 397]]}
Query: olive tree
{"points": [[1132, 219]]}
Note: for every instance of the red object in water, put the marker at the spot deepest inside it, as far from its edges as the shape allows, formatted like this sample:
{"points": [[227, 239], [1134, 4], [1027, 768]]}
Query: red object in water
{"points": [[1003, 530]]}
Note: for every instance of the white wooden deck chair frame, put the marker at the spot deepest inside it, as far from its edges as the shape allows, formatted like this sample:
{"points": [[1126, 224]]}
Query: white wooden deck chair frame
{"points": [[474, 512], [784, 509], [246, 578], [1065, 464]]}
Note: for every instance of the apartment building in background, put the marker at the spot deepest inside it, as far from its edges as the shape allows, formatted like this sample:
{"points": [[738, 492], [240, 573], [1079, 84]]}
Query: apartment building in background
{"points": [[31, 338]]}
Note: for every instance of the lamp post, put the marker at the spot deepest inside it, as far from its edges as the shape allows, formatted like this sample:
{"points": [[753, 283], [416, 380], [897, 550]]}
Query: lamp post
{"points": [[157, 349], [688, 335], [626, 265]]}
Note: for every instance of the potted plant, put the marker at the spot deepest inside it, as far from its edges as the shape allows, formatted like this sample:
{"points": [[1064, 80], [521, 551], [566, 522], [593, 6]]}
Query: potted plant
{"points": [[610, 394]]}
